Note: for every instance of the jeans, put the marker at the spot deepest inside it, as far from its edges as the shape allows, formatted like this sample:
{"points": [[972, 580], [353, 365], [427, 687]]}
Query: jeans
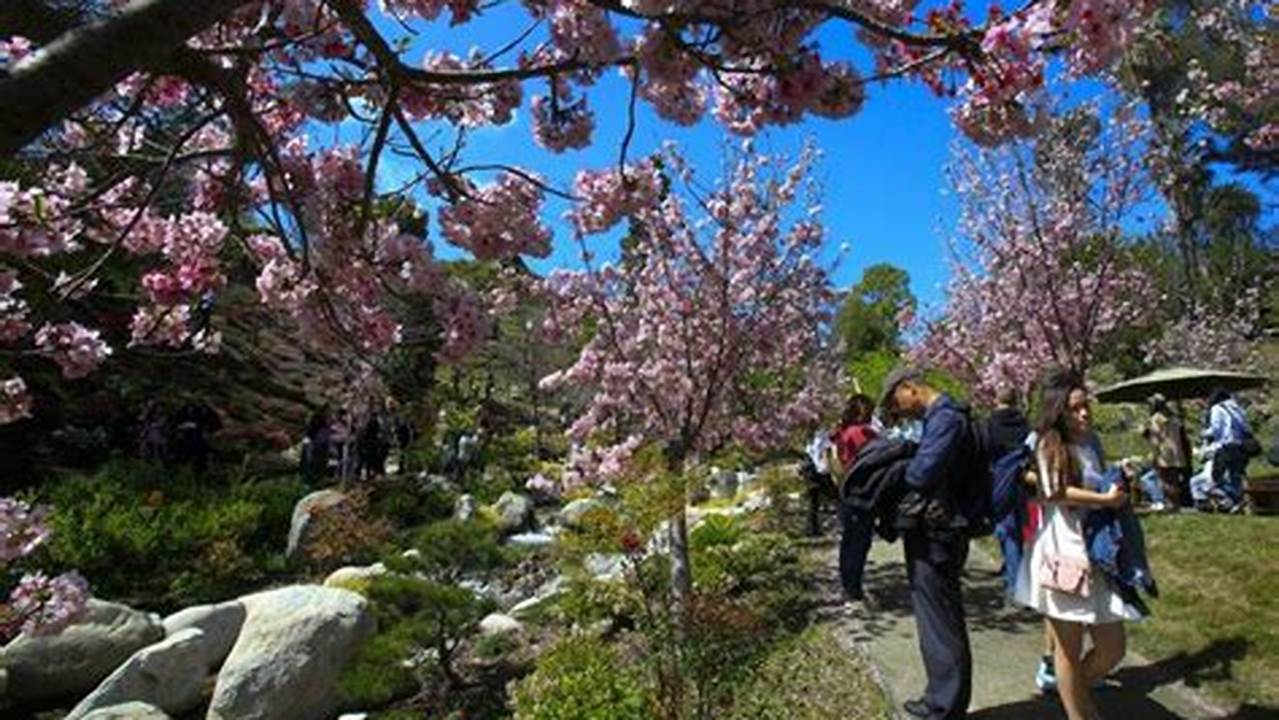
{"points": [[1151, 488], [1228, 467]]}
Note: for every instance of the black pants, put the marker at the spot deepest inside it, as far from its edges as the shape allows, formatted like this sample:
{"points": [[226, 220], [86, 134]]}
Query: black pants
{"points": [[933, 565]]}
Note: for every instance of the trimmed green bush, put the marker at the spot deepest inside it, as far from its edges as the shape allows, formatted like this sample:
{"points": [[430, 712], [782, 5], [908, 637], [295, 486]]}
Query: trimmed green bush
{"points": [[166, 539], [582, 678]]}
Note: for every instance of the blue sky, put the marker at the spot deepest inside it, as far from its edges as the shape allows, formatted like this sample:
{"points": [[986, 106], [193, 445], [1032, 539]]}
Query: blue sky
{"points": [[882, 169]]}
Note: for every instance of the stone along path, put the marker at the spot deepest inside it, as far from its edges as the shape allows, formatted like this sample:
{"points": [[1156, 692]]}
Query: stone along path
{"points": [[1006, 643]]}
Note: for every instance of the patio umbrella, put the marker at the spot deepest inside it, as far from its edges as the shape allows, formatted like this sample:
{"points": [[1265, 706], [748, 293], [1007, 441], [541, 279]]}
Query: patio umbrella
{"points": [[1179, 384]]}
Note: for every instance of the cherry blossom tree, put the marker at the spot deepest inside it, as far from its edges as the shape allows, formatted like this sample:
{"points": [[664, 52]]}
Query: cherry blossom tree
{"points": [[709, 328], [1041, 271], [180, 136]]}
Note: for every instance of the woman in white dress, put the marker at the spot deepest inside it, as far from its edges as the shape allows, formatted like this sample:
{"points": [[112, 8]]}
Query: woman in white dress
{"points": [[1055, 577]]}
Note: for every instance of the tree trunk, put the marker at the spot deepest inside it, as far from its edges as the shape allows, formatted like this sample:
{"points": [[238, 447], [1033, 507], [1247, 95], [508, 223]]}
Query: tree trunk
{"points": [[681, 565], [84, 62]]}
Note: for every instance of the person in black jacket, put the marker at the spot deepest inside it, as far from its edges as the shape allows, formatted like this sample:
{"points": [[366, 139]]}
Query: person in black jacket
{"points": [[1007, 426], [941, 474], [875, 486]]}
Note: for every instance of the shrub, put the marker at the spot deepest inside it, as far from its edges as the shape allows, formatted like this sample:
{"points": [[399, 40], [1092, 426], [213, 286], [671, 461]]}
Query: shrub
{"points": [[716, 530], [450, 548], [413, 615], [347, 533], [582, 678], [405, 504], [142, 532]]}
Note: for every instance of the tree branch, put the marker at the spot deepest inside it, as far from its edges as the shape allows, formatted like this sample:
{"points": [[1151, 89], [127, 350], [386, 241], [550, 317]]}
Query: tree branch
{"points": [[86, 61]]}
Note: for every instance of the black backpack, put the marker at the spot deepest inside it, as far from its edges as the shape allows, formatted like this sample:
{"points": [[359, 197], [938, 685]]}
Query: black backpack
{"points": [[975, 496]]}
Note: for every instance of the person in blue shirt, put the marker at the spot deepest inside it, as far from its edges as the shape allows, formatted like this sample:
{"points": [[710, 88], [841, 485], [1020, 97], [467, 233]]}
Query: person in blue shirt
{"points": [[1226, 432], [936, 539]]}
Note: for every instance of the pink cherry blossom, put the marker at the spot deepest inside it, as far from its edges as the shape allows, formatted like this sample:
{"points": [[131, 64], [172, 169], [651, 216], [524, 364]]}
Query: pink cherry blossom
{"points": [[48, 605], [22, 529], [15, 401], [75, 348], [499, 220]]}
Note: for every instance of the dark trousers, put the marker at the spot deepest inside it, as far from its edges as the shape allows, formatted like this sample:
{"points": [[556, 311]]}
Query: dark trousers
{"points": [[855, 537], [933, 565]]}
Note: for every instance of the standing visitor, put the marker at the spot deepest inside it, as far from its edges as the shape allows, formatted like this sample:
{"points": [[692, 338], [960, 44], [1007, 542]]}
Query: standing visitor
{"points": [[1007, 426], [342, 438], [315, 446], [372, 445], [1056, 577], [817, 474], [153, 439], [936, 542], [1164, 433], [849, 438], [1227, 434]]}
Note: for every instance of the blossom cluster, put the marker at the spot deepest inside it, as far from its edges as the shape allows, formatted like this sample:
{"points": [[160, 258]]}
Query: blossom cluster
{"points": [[499, 220], [39, 605]]}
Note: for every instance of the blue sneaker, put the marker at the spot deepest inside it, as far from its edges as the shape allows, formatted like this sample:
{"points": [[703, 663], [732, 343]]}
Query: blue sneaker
{"points": [[1046, 678]]}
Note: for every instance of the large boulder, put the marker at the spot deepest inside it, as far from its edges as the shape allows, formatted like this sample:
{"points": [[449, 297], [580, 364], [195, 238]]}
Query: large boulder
{"points": [[300, 529], [293, 646], [128, 711], [572, 514], [74, 661], [220, 624], [168, 675], [514, 512]]}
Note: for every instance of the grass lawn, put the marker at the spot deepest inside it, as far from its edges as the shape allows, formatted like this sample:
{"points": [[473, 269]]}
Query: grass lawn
{"points": [[811, 677], [1217, 618]]}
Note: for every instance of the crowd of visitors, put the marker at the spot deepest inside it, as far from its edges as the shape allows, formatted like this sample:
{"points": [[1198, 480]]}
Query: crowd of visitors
{"points": [[347, 445], [917, 466], [179, 436]]}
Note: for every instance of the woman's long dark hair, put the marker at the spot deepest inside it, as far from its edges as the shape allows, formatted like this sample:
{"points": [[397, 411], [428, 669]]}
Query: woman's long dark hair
{"points": [[1053, 428], [858, 411]]}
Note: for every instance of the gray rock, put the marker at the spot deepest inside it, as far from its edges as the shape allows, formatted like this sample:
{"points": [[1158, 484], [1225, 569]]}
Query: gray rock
{"points": [[756, 502], [747, 481], [168, 675], [128, 711], [343, 577], [547, 592], [499, 624], [605, 568], [724, 485], [531, 539], [74, 661], [514, 512], [304, 515], [436, 483], [464, 508], [294, 644], [220, 624], [572, 514]]}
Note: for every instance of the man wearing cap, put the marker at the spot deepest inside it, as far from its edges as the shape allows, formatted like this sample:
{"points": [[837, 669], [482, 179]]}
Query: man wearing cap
{"points": [[935, 537]]}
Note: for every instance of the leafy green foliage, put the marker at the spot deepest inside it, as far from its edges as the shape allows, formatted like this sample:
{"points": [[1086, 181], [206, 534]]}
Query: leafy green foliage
{"points": [[139, 531], [413, 615], [449, 548], [867, 321], [716, 530], [582, 678]]}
